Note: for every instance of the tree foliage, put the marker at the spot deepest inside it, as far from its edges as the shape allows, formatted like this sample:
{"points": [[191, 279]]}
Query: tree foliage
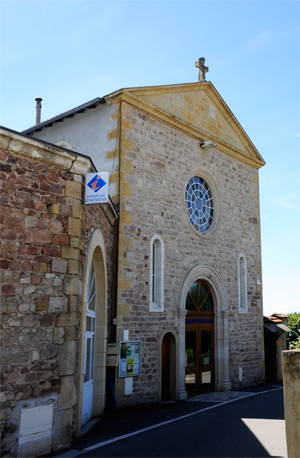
{"points": [[294, 335], [295, 345]]}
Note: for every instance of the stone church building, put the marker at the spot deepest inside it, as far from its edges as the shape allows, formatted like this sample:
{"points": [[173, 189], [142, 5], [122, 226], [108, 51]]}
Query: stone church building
{"points": [[170, 266]]}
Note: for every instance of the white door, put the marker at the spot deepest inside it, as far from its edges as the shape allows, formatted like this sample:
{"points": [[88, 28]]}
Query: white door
{"points": [[88, 385]]}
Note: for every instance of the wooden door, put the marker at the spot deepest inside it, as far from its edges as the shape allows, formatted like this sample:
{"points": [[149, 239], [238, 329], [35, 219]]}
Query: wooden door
{"points": [[165, 369], [199, 364], [199, 340]]}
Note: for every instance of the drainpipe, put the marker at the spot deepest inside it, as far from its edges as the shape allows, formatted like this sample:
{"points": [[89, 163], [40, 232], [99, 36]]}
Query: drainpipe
{"points": [[38, 110]]}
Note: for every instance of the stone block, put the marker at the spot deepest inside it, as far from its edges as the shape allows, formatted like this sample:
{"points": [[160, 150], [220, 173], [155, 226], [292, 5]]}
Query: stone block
{"points": [[30, 321], [72, 285], [63, 430], [57, 281], [30, 221], [77, 178], [52, 251], [40, 447], [73, 189], [8, 289], [46, 320], [60, 239], [40, 306], [58, 334], [74, 267], [59, 265], [67, 398], [71, 333], [66, 319], [73, 303], [55, 227], [70, 253], [65, 210], [10, 247], [126, 217], [77, 209], [67, 357], [54, 209], [74, 226], [58, 304], [76, 242], [35, 279], [34, 250], [48, 350], [39, 236]]}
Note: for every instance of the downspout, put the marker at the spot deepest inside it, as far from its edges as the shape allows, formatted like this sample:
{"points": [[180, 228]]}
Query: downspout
{"points": [[119, 209]]}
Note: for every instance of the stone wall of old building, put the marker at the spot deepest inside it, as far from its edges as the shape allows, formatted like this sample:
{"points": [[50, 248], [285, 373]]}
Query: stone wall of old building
{"points": [[155, 164], [44, 234]]}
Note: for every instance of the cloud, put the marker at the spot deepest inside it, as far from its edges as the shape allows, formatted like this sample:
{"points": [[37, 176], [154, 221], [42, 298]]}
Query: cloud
{"points": [[285, 202]]}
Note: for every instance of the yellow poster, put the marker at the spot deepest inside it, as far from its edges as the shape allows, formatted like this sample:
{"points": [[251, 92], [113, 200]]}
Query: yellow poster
{"points": [[129, 367]]}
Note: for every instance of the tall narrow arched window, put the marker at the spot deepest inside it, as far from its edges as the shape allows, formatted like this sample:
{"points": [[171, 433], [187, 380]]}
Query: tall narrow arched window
{"points": [[242, 283], [156, 274]]}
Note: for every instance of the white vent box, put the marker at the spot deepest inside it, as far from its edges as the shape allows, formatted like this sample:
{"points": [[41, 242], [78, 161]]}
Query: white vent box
{"points": [[36, 423]]}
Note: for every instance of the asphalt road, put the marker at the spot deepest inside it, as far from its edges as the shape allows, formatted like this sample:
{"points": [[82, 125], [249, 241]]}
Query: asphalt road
{"points": [[249, 427]]}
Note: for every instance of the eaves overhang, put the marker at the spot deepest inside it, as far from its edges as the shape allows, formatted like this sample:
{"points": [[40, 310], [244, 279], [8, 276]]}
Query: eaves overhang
{"points": [[67, 114], [276, 327]]}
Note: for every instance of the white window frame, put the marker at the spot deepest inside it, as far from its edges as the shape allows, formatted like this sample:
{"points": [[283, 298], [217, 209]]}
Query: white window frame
{"points": [[156, 283], [242, 284]]}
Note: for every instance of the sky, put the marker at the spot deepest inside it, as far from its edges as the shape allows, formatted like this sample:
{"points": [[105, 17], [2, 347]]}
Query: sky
{"points": [[69, 52]]}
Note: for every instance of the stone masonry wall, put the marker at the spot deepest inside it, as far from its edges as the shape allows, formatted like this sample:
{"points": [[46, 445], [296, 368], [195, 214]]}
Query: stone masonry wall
{"points": [[156, 162], [44, 235]]}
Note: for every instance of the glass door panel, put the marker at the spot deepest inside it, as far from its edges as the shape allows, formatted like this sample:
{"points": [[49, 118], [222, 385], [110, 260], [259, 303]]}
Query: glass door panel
{"points": [[206, 347], [87, 375], [191, 352], [206, 367]]}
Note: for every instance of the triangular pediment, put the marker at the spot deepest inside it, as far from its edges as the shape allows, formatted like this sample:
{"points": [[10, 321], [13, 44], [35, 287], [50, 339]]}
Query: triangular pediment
{"points": [[199, 107]]}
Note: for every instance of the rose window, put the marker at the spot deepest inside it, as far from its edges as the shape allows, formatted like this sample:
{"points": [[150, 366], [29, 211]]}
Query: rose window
{"points": [[199, 204]]}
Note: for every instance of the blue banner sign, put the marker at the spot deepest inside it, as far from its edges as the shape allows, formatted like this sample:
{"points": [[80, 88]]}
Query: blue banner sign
{"points": [[198, 320]]}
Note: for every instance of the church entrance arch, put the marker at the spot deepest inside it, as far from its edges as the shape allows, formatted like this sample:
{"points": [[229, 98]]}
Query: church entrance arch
{"points": [[218, 339], [199, 340]]}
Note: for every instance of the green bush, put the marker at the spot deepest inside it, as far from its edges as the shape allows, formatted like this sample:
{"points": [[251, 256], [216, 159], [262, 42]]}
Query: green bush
{"points": [[295, 345], [294, 335]]}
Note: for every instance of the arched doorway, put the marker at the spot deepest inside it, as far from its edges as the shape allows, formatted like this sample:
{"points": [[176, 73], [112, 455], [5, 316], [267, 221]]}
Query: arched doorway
{"points": [[221, 314], [92, 367], [168, 365], [199, 340]]}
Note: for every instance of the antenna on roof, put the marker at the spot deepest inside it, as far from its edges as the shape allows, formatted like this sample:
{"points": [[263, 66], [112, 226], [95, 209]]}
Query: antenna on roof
{"points": [[38, 110]]}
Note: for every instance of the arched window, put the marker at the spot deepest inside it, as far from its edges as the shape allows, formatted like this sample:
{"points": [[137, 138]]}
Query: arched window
{"points": [[156, 274], [242, 283]]}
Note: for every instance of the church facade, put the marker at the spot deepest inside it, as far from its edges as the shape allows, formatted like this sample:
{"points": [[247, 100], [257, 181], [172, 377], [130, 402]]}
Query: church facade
{"points": [[182, 282]]}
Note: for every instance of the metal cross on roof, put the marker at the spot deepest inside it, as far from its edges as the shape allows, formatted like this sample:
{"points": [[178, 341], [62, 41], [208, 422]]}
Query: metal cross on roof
{"points": [[202, 69]]}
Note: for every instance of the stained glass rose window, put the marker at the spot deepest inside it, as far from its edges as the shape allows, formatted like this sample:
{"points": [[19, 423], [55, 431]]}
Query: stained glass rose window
{"points": [[199, 204]]}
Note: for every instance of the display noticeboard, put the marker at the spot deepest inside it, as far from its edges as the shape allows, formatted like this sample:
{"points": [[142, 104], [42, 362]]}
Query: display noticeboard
{"points": [[96, 188], [130, 358]]}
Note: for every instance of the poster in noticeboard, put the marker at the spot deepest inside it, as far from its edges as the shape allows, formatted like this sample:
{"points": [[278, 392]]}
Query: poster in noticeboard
{"points": [[130, 358]]}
